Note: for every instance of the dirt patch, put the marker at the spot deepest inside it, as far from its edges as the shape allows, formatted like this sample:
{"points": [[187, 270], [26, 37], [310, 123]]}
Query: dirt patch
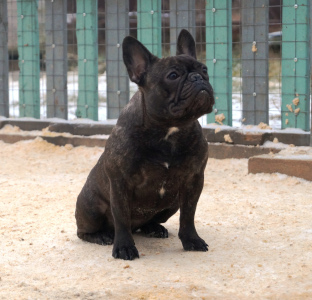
{"points": [[258, 227]]}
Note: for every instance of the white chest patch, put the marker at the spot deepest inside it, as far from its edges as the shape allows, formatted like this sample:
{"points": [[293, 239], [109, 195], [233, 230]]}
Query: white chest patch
{"points": [[162, 191], [171, 130], [166, 165]]}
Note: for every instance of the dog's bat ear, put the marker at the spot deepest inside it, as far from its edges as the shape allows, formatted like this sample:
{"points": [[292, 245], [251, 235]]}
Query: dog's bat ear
{"points": [[186, 44], [137, 59]]}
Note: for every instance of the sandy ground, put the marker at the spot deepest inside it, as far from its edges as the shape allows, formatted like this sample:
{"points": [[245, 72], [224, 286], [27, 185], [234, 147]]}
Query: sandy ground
{"points": [[258, 227]]}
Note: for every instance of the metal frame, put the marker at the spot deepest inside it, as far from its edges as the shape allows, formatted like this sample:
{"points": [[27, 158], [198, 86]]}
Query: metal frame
{"points": [[4, 60], [117, 28], [56, 58], [182, 16], [255, 66]]}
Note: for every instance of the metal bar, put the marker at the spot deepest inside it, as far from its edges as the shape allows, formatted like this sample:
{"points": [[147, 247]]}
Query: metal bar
{"points": [[182, 16], [86, 30], [149, 25], [295, 65], [29, 58], [4, 60], [56, 58], [255, 22], [219, 57], [117, 27]]}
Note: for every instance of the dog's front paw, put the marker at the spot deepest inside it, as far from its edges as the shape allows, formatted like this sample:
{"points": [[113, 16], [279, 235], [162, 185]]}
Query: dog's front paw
{"points": [[194, 244], [125, 252]]}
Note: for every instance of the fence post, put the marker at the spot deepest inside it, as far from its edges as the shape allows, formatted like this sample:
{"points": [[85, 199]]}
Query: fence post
{"points": [[4, 61], [296, 65], [56, 58], [219, 56], [86, 30], [310, 72], [255, 20], [182, 16], [117, 27], [29, 58], [149, 25]]}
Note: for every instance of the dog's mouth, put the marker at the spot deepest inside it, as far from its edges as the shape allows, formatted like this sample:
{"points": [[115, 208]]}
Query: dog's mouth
{"points": [[196, 106]]}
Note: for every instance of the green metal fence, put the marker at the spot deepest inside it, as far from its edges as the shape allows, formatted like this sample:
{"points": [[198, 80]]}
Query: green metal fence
{"points": [[157, 23]]}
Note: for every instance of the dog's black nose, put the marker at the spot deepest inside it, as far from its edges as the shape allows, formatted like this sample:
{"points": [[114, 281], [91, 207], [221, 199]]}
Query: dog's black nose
{"points": [[195, 77]]}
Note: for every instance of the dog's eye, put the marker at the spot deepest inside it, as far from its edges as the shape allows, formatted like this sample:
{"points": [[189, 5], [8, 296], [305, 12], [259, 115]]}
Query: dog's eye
{"points": [[205, 71], [173, 76]]}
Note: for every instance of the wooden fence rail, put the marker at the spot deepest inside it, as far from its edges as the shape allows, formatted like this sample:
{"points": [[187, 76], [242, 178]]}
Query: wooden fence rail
{"points": [[296, 55]]}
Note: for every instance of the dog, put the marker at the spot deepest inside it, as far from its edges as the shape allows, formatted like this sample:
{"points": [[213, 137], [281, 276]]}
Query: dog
{"points": [[154, 160]]}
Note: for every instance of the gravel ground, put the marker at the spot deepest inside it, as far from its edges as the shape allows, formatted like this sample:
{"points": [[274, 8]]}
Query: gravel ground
{"points": [[258, 227]]}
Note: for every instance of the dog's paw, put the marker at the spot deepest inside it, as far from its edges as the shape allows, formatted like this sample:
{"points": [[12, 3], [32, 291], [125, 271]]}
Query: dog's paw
{"points": [[194, 244], [155, 230], [125, 252], [101, 238]]}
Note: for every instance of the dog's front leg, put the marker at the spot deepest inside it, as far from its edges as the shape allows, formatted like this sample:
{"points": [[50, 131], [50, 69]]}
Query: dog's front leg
{"points": [[124, 246], [189, 196]]}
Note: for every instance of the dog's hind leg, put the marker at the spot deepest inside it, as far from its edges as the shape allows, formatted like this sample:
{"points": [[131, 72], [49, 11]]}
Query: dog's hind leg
{"points": [[93, 220], [154, 229]]}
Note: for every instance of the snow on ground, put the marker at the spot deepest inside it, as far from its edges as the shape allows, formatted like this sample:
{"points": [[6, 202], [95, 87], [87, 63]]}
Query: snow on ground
{"points": [[258, 227]]}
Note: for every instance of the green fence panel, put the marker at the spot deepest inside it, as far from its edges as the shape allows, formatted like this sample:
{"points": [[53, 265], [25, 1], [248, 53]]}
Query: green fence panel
{"points": [[219, 56], [149, 25], [4, 61], [296, 64], [29, 58], [86, 30]]}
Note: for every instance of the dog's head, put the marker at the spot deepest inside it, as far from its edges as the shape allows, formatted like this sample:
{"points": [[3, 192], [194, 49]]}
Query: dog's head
{"points": [[175, 89]]}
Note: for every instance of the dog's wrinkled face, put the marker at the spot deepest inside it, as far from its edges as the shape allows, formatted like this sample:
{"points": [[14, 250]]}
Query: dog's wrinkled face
{"points": [[181, 88], [175, 89]]}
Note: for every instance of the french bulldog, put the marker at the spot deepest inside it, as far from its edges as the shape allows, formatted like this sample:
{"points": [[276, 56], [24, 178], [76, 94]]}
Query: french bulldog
{"points": [[154, 160]]}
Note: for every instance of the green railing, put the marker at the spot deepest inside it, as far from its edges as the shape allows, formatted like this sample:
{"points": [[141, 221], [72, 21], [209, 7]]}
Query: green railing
{"points": [[295, 66]]}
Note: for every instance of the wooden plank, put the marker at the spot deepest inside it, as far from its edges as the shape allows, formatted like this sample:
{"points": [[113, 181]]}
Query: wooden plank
{"points": [[149, 25], [182, 16], [86, 30], [4, 60], [255, 16], [219, 56], [225, 151], [299, 166], [296, 64], [117, 27], [29, 58], [56, 58]]}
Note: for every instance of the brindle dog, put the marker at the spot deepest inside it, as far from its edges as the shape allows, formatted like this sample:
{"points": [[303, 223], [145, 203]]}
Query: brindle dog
{"points": [[154, 160]]}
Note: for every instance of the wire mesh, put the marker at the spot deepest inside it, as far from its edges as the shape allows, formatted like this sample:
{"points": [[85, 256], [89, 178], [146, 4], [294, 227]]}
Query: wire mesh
{"points": [[197, 25]]}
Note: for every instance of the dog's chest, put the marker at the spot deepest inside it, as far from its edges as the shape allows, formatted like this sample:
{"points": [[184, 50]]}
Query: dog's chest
{"points": [[160, 177], [157, 189]]}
